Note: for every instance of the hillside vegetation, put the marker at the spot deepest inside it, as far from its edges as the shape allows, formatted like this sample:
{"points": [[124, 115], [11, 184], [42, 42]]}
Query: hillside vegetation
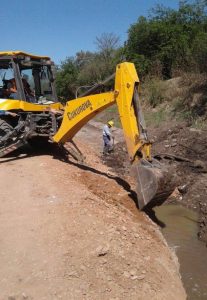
{"points": [[169, 50]]}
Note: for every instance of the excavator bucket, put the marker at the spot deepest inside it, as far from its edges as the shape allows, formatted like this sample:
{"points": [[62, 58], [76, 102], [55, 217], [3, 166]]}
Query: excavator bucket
{"points": [[154, 182]]}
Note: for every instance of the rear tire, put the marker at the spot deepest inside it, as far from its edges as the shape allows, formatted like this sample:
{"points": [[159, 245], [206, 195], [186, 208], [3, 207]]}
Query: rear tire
{"points": [[5, 128]]}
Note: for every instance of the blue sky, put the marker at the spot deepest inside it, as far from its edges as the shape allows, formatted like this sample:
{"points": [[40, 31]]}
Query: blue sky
{"points": [[62, 28]]}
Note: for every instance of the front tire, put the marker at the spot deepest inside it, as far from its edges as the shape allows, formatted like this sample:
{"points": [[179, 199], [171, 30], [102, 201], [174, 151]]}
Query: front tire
{"points": [[39, 143]]}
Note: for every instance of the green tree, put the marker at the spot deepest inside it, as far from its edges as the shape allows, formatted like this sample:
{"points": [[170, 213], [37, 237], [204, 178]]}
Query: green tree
{"points": [[199, 51], [88, 68], [66, 78], [168, 36], [102, 63]]}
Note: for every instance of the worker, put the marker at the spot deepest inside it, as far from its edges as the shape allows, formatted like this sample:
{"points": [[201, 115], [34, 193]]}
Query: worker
{"points": [[30, 95], [11, 89], [107, 137], [7, 113]]}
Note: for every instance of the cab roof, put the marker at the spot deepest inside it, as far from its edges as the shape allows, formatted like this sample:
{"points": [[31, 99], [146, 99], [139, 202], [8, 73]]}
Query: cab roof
{"points": [[19, 53]]}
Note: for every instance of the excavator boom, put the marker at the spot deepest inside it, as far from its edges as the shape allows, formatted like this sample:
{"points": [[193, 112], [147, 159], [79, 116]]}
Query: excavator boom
{"points": [[79, 111], [149, 174]]}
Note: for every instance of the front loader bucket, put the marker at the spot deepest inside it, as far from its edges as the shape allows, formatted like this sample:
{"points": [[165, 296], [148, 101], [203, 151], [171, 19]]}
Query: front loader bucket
{"points": [[154, 184]]}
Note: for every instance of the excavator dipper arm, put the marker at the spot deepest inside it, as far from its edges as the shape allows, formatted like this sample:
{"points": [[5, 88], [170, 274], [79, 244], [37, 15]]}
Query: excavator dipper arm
{"points": [[78, 112]]}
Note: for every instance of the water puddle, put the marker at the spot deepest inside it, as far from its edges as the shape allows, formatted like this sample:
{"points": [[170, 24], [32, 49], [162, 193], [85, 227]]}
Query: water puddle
{"points": [[180, 231]]}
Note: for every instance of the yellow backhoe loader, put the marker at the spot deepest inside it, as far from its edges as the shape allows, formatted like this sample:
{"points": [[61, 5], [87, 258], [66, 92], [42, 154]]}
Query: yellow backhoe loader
{"points": [[30, 110]]}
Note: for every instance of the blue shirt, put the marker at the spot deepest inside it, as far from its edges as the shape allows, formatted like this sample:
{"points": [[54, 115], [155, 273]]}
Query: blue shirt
{"points": [[106, 131], [3, 113]]}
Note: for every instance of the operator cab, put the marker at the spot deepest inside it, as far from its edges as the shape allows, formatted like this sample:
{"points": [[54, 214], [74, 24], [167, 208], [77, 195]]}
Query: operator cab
{"points": [[26, 77]]}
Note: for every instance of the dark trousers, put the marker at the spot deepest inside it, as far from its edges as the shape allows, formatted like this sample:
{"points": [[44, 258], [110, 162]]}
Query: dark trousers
{"points": [[107, 144]]}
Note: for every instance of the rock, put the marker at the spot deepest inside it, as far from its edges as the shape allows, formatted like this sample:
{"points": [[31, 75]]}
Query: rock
{"points": [[167, 146], [134, 277], [183, 188], [73, 274], [195, 130], [102, 250], [133, 272], [199, 164], [140, 277], [136, 235]]}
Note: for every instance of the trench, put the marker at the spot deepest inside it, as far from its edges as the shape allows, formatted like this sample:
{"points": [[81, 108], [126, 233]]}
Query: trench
{"points": [[180, 231]]}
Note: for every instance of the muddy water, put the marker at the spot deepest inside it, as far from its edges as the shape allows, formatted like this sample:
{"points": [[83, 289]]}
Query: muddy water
{"points": [[180, 231]]}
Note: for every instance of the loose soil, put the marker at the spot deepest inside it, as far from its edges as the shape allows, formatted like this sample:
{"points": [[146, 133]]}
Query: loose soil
{"points": [[72, 231], [184, 149]]}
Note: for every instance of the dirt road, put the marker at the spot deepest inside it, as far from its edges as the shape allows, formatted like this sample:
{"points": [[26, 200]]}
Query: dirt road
{"points": [[66, 233]]}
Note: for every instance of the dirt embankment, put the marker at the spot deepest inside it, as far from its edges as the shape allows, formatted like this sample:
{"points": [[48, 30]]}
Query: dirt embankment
{"points": [[185, 150], [70, 231]]}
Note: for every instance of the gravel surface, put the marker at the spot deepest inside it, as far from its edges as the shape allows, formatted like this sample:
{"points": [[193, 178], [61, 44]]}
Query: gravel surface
{"points": [[71, 231]]}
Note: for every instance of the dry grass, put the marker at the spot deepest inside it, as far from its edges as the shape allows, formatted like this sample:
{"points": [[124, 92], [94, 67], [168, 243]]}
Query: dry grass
{"points": [[185, 97], [180, 98]]}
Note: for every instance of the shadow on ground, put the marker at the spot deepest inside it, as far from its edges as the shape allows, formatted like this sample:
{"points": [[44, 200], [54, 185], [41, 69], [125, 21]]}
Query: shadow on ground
{"points": [[59, 153]]}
